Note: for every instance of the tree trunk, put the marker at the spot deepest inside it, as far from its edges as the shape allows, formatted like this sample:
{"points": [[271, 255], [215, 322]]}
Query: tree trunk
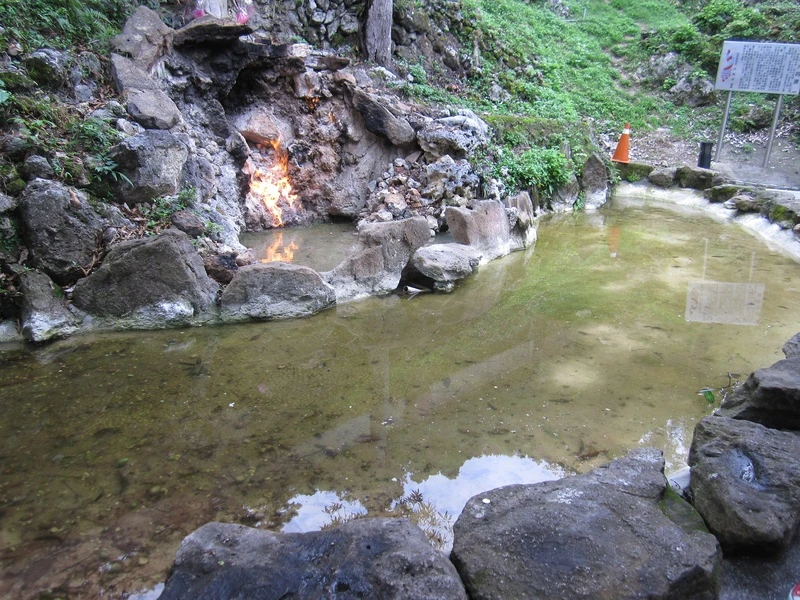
{"points": [[379, 32]]}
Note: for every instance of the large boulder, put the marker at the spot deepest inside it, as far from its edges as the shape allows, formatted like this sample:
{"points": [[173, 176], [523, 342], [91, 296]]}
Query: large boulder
{"points": [[365, 558], [44, 313], [693, 91], [144, 38], [616, 532], [149, 283], [770, 396], [47, 67], [153, 109], [61, 229], [275, 290], [746, 483], [457, 135], [153, 162], [445, 264], [485, 228], [380, 120], [376, 262], [594, 182], [697, 178], [664, 177]]}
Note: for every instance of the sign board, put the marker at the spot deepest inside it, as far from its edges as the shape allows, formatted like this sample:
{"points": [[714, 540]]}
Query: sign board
{"points": [[730, 303], [759, 67]]}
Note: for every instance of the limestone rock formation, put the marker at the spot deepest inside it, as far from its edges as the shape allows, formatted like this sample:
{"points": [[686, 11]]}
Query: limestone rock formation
{"points": [[612, 533], [149, 283], [144, 38], [445, 264], [457, 136], [365, 558], [376, 262], [62, 230], [153, 161], [770, 396], [275, 291], [44, 313], [746, 483], [485, 228]]}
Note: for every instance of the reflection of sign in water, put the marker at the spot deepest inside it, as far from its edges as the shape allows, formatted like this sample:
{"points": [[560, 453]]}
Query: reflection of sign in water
{"points": [[731, 303], [759, 67]]}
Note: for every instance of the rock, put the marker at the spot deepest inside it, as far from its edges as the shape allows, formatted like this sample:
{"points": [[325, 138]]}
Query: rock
{"points": [[485, 228], [9, 239], [221, 267], [523, 230], [8, 332], [61, 229], [153, 109], [664, 177], [791, 349], [129, 77], [188, 222], [381, 121], [276, 290], [210, 30], [746, 483], [37, 167], [457, 136], [564, 197], [365, 558], [149, 283], [153, 161], [449, 179], [144, 38], [8, 203], [616, 532], [44, 313], [743, 203], [594, 182], [375, 264], [697, 178], [693, 91], [746, 577], [445, 263], [770, 397], [49, 68], [723, 193]]}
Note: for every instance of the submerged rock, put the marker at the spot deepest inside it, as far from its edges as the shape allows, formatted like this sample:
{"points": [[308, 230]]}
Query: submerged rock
{"points": [[746, 483], [612, 533], [365, 558], [275, 290], [445, 263]]}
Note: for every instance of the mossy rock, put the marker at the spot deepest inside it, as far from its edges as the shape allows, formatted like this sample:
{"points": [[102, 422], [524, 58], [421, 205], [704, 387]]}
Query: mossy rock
{"points": [[16, 81], [633, 172], [723, 193]]}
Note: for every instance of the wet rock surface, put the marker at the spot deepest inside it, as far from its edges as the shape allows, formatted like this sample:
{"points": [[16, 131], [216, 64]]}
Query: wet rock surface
{"points": [[366, 558], [557, 539], [44, 313], [769, 396], [594, 182], [485, 228], [746, 483], [445, 264]]}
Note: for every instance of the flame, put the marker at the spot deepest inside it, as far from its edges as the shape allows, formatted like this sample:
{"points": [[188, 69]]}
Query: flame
{"points": [[271, 185], [277, 252]]}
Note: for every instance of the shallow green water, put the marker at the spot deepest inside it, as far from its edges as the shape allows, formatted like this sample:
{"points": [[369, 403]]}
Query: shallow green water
{"points": [[113, 447]]}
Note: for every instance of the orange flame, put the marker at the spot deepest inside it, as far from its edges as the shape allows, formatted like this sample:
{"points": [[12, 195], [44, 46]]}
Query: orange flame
{"points": [[271, 185], [277, 252]]}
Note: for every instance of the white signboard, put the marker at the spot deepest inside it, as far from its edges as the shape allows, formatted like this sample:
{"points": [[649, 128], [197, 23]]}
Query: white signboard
{"points": [[730, 303], [759, 67]]}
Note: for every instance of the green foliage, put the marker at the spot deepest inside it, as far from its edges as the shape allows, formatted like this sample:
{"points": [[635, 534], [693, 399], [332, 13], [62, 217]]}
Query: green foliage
{"points": [[542, 168], [159, 212], [61, 23]]}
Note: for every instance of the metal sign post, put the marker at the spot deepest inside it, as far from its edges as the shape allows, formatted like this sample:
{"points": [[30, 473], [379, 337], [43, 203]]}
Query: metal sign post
{"points": [[758, 67]]}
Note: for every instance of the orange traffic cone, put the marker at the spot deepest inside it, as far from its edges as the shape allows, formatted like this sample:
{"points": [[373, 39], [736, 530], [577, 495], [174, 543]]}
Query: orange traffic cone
{"points": [[624, 146]]}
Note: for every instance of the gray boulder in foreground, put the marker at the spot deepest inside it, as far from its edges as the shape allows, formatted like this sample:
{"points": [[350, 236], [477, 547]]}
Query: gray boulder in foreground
{"points": [[365, 558], [770, 396], [615, 532], [148, 283], [746, 483], [275, 290], [446, 263]]}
